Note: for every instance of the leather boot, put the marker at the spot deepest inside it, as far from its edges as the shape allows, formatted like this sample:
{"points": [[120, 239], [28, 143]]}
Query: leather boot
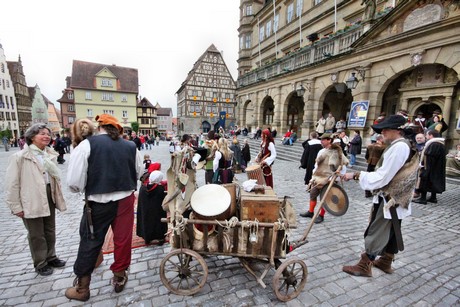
{"points": [[384, 263], [99, 260], [362, 268], [119, 280], [80, 289]]}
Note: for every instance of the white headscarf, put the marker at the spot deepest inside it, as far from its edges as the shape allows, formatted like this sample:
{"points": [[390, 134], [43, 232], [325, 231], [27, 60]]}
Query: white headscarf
{"points": [[155, 177]]}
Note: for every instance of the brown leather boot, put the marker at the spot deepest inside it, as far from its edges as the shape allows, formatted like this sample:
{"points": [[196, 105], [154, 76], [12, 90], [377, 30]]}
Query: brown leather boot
{"points": [[362, 268], [80, 289], [119, 280], [384, 263], [99, 260]]}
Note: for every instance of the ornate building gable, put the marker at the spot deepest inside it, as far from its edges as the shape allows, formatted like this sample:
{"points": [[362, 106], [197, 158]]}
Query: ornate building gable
{"points": [[39, 105], [410, 17]]}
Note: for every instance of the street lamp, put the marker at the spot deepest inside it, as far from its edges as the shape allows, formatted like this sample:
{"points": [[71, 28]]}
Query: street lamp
{"points": [[300, 91], [352, 82]]}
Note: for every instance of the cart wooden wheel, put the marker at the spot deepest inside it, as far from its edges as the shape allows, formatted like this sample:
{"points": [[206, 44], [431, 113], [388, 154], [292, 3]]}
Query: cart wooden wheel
{"points": [[183, 272], [289, 279]]}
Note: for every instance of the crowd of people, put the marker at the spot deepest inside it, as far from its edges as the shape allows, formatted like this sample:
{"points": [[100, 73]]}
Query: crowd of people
{"points": [[406, 160]]}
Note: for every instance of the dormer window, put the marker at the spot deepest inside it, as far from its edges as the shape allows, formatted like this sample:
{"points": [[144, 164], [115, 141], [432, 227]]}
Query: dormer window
{"points": [[106, 83]]}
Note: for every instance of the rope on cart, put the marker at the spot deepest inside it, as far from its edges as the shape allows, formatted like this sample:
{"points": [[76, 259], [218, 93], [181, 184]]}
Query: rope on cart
{"points": [[180, 223], [281, 225], [229, 223]]}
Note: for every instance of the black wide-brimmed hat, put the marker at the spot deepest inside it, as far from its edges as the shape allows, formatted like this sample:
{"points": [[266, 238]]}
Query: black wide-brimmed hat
{"points": [[395, 122]]}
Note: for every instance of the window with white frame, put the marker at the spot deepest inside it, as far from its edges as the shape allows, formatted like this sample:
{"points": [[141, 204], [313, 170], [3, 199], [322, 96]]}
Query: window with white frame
{"points": [[124, 114], [71, 119], [290, 12], [70, 108], [241, 42], [88, 95], [89, 112], [2, 65], [70, 95], [106, 83], [124, 98], [261, 33], [247, 41], [299, 8], [107, 97], [268, 28], [248, 10], [276, 22], [110, 112], [12, 102]]}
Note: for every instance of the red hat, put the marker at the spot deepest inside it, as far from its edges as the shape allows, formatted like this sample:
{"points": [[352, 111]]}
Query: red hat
{"points": [[106, 119]]}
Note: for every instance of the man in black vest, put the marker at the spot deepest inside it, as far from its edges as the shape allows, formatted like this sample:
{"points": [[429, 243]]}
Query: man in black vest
{"points": [[106, 167]]}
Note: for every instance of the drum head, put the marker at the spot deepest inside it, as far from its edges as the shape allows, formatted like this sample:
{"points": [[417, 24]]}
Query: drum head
{"points": [[252, 167], [210, 200], [336, 201]]}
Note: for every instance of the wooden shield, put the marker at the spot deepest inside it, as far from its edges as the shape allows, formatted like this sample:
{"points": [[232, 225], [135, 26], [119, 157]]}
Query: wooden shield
{"points": [[336, 201]]}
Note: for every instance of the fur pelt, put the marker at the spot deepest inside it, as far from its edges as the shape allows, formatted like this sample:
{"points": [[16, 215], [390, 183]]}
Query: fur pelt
{"points": [[401, 187], [81, 129], [327, 163]]}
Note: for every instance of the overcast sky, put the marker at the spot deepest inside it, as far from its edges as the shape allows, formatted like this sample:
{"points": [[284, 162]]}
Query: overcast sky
{"points": [[162, 39]]}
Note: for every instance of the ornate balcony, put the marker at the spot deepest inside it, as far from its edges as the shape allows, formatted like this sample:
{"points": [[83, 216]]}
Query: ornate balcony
{"points": [[328, 47]]}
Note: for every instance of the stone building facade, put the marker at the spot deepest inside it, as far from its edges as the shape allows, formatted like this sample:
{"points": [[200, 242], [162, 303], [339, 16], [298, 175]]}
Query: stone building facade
{"points": [[206, 95], [8, 105], [96, 88], [296, 57], [21, 92]]}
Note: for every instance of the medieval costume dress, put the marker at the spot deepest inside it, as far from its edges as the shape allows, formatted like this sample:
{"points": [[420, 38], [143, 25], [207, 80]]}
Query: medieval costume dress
{"points": [[307, 162], [432, 174], [149, 210], [267, 156]]}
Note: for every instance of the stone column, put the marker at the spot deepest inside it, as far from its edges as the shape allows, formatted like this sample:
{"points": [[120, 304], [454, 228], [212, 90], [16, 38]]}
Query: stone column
{"points": [[404, 104], [447, 108], [308, 110], [276, 96]]}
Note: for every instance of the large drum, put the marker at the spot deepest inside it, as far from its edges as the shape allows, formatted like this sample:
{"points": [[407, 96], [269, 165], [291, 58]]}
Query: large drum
{"points": [[255, 172], [211, 202]]}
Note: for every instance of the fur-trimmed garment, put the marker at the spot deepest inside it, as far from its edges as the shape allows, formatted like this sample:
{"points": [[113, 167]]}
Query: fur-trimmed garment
{"points": [[327, 162]]}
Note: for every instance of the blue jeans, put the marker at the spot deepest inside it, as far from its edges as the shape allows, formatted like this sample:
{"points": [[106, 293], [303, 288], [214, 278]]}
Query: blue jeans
{"points": [[352, 159]]}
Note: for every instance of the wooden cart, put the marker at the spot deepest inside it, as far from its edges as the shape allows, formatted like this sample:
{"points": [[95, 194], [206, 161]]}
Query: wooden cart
{"points": [[184, 271]]}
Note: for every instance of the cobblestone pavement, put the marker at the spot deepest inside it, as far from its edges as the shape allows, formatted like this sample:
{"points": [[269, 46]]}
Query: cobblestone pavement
{"points": [[427, 272]]}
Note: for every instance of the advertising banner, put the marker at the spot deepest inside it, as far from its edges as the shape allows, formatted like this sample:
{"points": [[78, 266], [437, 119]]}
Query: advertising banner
{"points": [[358, 114]]}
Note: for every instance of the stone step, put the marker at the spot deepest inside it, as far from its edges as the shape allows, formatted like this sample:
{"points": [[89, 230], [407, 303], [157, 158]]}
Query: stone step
{"points": [[294, 153]]}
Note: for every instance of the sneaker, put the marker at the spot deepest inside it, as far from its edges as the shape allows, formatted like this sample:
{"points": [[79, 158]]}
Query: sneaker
{"points": [[45, 271], [319, 219], [307, 214], [56, 263]]}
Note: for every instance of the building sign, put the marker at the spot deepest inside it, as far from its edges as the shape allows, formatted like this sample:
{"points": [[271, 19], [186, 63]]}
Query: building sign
{"points": [[358, 114], [222, 119]]}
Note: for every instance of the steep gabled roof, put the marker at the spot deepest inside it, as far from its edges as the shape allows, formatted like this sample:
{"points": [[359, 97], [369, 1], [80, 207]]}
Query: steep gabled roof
{"points": [[164, 112], [145, 103], [83, 74], [211, 49]]}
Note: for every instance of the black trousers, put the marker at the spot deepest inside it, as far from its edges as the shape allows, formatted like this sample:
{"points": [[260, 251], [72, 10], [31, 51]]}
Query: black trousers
{"points": [[103, 215]]}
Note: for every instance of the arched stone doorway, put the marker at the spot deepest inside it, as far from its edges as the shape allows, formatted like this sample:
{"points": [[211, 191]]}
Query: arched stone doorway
{"points": [[337, 101], [294, 113], [268, 111], [248, 119], [424, 88]]}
